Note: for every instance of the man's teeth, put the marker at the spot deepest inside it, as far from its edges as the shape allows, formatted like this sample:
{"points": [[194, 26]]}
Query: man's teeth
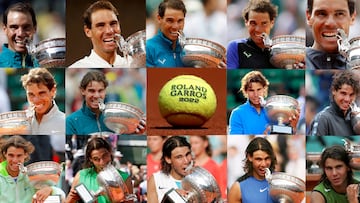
{"points": [[329, 34], [109, 40], [20, 41]]}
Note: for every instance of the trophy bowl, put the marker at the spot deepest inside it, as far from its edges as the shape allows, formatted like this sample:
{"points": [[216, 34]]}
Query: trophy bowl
{"points": [[43, 173], [201, 186], [14, 123], [280, 108], [112, 183], [354, 53], [51, 53], [136, 49], [200, 53], [122, 118], [354, 154], [287, 50], [286, 188]]}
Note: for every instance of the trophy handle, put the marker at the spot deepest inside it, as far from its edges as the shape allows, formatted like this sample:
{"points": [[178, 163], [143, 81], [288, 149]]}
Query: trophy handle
{"points": [[343, 43], [268, 175], [266, 39], [347, 144], [182, 38]]}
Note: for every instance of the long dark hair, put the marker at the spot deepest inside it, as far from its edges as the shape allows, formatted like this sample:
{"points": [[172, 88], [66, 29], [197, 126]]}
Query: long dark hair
{"points": [[169, 145], [258, 143], [338, 153], [95, 144]]}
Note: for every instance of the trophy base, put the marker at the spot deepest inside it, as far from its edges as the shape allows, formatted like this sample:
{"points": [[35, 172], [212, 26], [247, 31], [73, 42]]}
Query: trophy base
{"points": [[53, 199], [280, 129], [172, 196], [84, 193]]}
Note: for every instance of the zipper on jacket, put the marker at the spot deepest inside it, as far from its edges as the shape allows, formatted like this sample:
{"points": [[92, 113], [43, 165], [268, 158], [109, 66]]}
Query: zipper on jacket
{"points": [[98, 124], [23, 57], [174, 55]]}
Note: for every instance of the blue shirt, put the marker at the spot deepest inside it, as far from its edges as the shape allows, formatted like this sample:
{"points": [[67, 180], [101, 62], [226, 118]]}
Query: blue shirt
{"points": [[255, 191], [12, 59], [159, 52], [84, 122], [244, 119]]}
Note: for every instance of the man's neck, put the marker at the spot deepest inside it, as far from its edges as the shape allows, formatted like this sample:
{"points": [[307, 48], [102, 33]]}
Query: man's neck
{"points": [[40, 116], [108, 57]]}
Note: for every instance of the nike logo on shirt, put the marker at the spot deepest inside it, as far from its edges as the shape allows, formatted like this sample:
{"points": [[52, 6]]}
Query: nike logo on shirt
{"points": [[327, 190], [248, 55], [162, 61], [263, 189]]}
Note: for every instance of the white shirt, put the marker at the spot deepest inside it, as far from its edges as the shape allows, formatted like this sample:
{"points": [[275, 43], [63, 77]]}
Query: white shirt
{"points": [[53, 124], [163, 184], [95, 61]]}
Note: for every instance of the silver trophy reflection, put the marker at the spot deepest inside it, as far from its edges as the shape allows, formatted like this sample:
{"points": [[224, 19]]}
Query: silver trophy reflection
{"points": [[111, 185], [133, 46], [43, 173], [50, 53], [350, 49], [279, 109], [200, 53], [200, 185], [17, 122], [120, 117], [353, 151], [285, 50], [285, 188]]}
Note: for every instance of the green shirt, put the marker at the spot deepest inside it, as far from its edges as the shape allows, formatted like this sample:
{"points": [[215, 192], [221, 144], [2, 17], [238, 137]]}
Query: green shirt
{"points": [[330, 195], [88, 178]]}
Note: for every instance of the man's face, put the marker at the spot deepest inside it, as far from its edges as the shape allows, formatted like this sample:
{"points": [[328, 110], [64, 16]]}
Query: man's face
{"points": [[14, 156], [104, 26], [171, 23], [344, 96], [326, 17], [92, 93], [40, 96], [336, 172], [260, 161], [179, 160], [198, 145], [257, 24], [19, 28], [100, 158], [254, 91]]}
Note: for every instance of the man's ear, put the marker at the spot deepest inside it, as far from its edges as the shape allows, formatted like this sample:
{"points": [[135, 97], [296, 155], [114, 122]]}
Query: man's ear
{"points": [[308, 17], [87, 31], [168, 160]]}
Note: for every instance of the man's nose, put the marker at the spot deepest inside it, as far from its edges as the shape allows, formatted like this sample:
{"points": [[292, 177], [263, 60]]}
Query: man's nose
{"points": [[109, 29], [330, 21]]}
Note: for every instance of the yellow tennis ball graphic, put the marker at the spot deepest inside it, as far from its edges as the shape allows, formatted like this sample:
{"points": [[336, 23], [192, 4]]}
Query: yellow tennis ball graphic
{"points": [[187, 101]]}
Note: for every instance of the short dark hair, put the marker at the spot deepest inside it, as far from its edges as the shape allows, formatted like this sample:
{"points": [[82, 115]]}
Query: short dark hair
{"points": [[20, 7], [169, 145], [338, 153], [258, 143], [17, 142], [96, 143], [174, 4], [90, 76], [260, 6], [351, 6], [98, 5], [39, 76], [347, 77]]}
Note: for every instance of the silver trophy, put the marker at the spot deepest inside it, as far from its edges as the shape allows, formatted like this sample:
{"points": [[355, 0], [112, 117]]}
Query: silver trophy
{"points": [[16, 122], [285, 50], [279, 109], [111, 185], [50, 53], [285, 188], [355, 118], [350, 49], [314, 158], [120, 117], [43, 173], [201, 187], [133, 46], [353, 152], [201, 53]]}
